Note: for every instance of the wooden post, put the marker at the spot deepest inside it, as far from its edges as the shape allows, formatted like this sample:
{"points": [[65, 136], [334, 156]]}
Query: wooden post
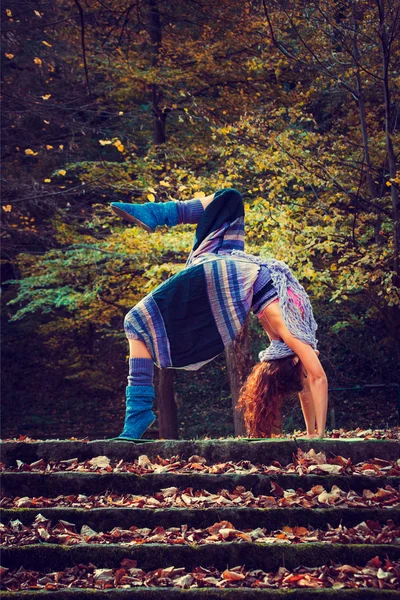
{"points": [[239, 363], [165, 397]]}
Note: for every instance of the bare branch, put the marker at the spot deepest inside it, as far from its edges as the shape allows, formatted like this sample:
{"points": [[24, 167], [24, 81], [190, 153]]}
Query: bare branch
{"points": [[83, 45]]}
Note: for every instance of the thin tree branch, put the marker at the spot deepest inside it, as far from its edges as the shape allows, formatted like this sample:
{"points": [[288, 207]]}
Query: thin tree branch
{"points": [[82, 17]]}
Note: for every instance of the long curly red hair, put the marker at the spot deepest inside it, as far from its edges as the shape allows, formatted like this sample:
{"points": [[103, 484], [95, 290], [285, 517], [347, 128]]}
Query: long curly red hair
{"points": [[262, 394]]}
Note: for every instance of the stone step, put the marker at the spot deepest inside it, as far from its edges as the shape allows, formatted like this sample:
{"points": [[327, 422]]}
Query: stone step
{"points": [[157, 593], [152, 556], [104, 519], [53, 484], [269, 557], [261, 451]]}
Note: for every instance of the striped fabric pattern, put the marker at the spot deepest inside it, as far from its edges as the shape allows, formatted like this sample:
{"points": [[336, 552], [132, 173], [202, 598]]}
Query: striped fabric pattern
{"points": [[190, 318], [226, 238], [145, 323], [230, 291], [264, 291]]}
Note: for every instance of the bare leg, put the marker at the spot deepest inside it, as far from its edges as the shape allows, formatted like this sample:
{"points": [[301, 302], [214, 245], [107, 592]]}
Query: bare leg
{"points": [[307, 406], [207, 200], [137, 349]]}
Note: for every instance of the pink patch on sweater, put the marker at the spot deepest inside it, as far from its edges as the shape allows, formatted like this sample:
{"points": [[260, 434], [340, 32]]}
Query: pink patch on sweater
{"points": [[296, 299]]}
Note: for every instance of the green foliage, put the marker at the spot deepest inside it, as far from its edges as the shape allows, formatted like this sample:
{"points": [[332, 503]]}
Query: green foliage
{"points": [[207, 106]]}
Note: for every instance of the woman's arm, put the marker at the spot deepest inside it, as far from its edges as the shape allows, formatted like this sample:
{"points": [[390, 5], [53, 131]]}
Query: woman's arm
{"points": [[308, 408], [316, 376]]}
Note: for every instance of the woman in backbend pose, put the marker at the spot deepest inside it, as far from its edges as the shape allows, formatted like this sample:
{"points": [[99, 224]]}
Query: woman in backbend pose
{"points": [[190, 318]]}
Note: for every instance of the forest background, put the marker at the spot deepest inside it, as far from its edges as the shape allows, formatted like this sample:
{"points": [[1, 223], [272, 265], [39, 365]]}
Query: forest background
{"points": [[295, 104]]}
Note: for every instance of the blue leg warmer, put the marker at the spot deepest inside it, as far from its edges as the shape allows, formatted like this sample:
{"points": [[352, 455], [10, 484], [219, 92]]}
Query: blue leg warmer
{"points": [[148, 215], [141, 371], [189, 211], [139, 416]]}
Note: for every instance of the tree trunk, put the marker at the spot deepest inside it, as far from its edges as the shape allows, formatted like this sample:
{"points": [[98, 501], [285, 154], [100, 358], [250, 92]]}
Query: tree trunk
{"points": [[239, 363], [391, 316], [386, 46], [372, 187], [164, 378], [165, 397], [159, 116]]}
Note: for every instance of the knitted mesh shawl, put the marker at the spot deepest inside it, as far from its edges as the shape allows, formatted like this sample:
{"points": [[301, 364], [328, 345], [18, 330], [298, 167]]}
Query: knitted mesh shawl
{"points": [[303, 328]]}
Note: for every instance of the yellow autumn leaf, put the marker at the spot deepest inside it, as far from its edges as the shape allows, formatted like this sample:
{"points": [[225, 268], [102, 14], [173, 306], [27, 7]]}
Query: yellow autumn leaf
{"points": [[105, 142], [62, 172], [388, 183], [150, 189], [46, 97], [46, 43], [37, 61], [61, 146], [8, 55], [120, 147], [120, 112], [47, 122], [151, 197], [199, 195], [47, 180], [37, 13], [165, 183], [48, 147], [333, 267], [8, 12], [7, 208], [31, 152]]}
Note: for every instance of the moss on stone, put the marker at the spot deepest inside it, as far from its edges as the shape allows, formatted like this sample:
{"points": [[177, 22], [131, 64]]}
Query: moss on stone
{"points": [[52, 484], [263, 450], [104, 519], [152, 556], [206, 594]]}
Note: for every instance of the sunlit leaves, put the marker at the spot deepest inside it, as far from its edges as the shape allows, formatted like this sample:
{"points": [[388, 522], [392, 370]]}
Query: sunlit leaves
{"points": [[238, 114]]}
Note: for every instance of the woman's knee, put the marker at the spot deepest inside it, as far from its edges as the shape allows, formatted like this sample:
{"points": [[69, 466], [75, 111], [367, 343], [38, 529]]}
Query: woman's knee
{"points": [[130, 328]]}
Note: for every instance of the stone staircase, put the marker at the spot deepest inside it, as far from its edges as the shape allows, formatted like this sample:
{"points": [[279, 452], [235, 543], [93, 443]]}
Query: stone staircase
{"points": [[224, 556]]}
